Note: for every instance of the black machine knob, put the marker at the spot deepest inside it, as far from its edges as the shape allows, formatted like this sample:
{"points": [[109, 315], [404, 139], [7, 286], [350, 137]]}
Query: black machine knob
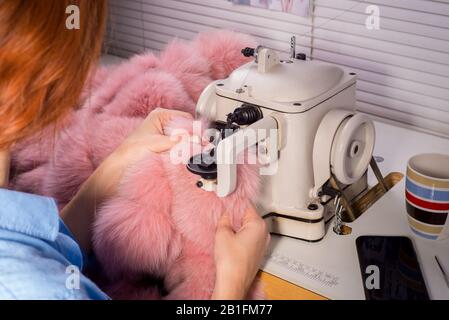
{"points": [[245, 115], [301, 56], [248, 52]]}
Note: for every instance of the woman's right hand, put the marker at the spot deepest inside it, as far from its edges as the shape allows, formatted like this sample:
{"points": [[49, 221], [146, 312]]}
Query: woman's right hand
{"points": [[238, 255]]}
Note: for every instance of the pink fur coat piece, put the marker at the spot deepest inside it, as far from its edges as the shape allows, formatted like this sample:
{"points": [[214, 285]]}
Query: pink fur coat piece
{"points": [[159, 224], [162, 224]]}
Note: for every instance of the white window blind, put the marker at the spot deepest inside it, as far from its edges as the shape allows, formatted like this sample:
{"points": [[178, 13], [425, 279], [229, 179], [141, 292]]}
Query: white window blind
{"points": [[136, 25], [403, 68]]}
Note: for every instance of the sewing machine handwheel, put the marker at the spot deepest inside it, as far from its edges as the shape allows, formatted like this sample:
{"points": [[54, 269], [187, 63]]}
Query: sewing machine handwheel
{"points": [[352, 148]]}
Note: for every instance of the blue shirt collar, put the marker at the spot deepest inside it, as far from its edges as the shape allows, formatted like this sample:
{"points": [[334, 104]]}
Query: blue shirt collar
{"points": [[29, 214]]}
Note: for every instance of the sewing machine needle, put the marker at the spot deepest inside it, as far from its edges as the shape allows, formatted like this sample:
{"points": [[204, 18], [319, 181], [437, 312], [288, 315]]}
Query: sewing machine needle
{"points": [[443, 271]]}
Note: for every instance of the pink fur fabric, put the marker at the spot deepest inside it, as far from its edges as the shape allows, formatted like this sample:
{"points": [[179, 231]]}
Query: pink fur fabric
{"points": [[160, 225]]}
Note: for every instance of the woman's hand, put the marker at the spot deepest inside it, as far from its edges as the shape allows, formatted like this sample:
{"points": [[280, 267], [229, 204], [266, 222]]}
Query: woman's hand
{"points": [[238, 255], [150, 134], [79, 213]]}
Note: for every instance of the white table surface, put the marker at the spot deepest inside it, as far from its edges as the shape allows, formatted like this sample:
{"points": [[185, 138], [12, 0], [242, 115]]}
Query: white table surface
{"points": [[330, 267]]}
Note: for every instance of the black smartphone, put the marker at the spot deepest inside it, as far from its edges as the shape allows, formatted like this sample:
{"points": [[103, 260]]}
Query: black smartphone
{"points": [[390, 268]]}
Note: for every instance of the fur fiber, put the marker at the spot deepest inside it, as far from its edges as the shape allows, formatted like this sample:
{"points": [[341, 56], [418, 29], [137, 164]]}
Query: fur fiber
{"points": [[159, 225]]}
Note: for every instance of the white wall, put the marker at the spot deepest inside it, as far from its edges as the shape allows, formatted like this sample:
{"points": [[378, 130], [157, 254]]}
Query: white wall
{"points": [[403, 68]]}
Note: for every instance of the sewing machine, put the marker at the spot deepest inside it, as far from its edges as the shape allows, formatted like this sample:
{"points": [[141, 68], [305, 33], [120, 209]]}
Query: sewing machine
{"points": [[299, 116]]}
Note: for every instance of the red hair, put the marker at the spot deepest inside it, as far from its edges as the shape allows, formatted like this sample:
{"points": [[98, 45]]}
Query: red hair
{"points": [[43, 64]]}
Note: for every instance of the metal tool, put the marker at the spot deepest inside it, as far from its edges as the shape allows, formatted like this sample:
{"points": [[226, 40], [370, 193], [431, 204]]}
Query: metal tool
{"points": [[338, 223], [445, 275]]}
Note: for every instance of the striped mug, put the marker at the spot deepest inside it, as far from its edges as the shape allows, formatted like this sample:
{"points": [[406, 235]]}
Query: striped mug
{"points": [[427, 195]]}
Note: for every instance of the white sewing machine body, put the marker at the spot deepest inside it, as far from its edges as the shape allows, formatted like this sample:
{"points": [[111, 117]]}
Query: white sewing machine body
{"points": [[311, 104]]}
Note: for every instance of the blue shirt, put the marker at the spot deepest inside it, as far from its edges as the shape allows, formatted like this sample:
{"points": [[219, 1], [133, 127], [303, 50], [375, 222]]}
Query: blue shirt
{"points": [[39, 258]]}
